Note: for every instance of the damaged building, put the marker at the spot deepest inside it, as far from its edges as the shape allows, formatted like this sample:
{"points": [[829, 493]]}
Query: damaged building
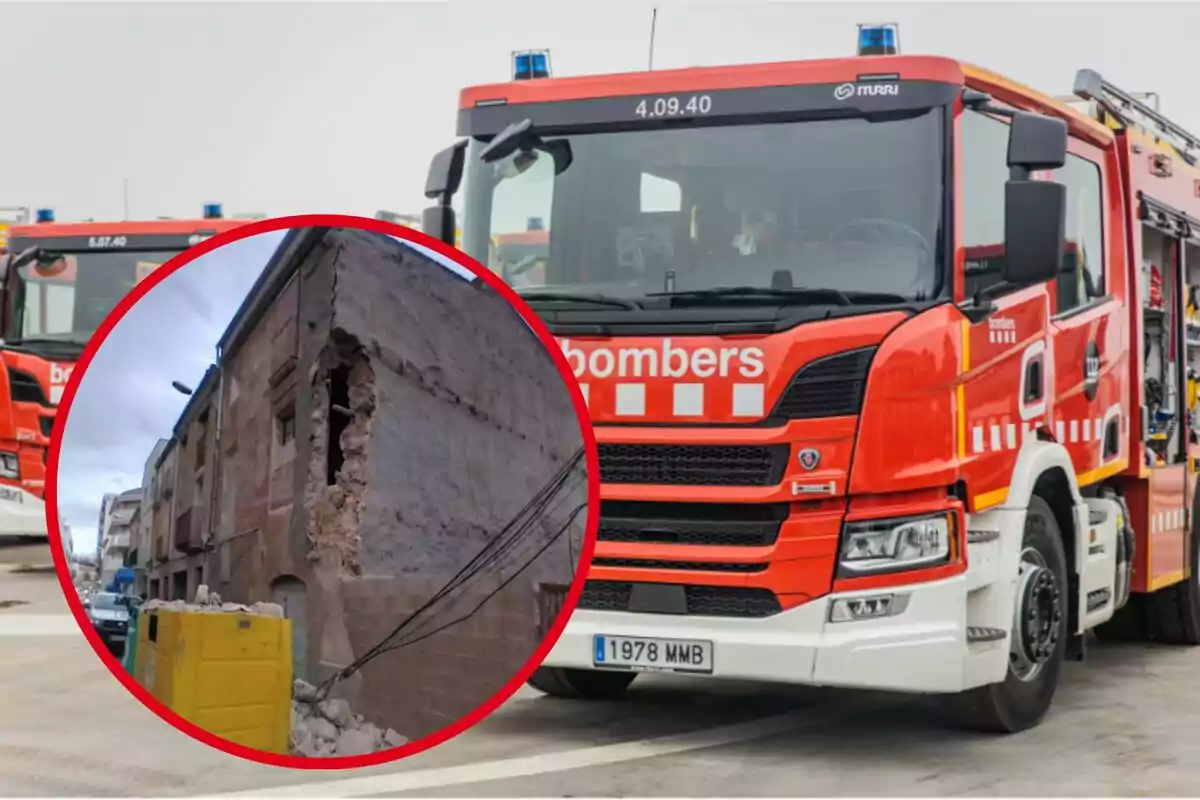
{"points": [[373, 424]]}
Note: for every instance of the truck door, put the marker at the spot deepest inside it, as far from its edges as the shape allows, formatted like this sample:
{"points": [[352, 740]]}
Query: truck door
{"points": [[1009, 356]]}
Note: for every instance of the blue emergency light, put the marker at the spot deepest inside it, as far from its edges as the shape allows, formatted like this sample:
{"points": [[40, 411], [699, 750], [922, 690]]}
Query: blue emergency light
{"points": [[530, 64], [212, 211], [879, 40], [45, 215]]}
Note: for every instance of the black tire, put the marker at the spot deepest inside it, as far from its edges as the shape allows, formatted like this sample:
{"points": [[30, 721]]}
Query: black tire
{"points": [[1018, 704], [1169, 616], [581, 684]]}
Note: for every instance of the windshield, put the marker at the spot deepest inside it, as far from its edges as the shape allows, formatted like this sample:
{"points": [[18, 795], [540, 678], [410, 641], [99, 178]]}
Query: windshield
{"points": [[849, 204], [67, 296], [106, 602]]}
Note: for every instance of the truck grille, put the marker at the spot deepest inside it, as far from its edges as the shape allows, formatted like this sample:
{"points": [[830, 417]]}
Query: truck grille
{"points": [[694, 566], [693, 465], [832, 386], [703, 601], [25, 388], [708, 524]]}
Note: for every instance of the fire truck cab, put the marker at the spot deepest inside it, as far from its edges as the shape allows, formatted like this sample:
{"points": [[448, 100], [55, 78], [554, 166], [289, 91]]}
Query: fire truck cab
{"points": [[58, 282], [888, 359]]}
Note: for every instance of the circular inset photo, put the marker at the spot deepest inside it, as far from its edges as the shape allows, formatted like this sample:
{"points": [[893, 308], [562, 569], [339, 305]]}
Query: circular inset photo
{"points": [[333, 478]]}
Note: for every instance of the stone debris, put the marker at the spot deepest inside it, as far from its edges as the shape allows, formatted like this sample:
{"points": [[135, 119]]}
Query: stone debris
{"points": [[330, 728], [209, 602]]}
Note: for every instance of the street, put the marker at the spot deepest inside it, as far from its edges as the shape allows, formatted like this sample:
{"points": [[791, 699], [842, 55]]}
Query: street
{"points": [[1123, 724]]}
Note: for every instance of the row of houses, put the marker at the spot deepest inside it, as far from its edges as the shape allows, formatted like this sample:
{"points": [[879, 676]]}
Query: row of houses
{"points": [[370, 420]]}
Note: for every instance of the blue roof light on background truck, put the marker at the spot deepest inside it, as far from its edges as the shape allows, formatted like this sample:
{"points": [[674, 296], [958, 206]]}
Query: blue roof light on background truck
{"points": [[45, 215], [879, 40], [530, 64], [212, 211]]}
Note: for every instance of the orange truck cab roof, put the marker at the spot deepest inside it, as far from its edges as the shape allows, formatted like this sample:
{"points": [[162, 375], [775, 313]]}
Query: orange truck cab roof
{"points": [[164, 234], [480, 107]]}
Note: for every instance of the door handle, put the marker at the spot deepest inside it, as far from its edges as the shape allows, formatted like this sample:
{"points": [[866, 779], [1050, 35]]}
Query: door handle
{"points": [[1033, 381]]}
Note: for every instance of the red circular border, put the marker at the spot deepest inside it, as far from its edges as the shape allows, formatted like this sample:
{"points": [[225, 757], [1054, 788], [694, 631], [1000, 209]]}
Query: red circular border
{"points": [[414, 237]]}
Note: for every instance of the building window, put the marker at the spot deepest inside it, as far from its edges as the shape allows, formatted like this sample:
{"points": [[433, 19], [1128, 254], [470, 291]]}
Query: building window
{"points": [[984, 173], [201, 440], [285, 424]]}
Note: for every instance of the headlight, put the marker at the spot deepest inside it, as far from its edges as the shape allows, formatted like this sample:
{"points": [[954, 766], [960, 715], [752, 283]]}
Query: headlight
{"points": [[888, 545], [8, 466]]}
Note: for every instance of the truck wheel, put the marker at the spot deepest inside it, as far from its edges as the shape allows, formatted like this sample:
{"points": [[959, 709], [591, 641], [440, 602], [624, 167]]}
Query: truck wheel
{"points": [[1038, 639], [581, 684]]}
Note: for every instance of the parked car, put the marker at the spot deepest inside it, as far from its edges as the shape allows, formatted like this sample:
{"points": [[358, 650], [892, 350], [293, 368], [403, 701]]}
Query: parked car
{"points": [[109, 613]]}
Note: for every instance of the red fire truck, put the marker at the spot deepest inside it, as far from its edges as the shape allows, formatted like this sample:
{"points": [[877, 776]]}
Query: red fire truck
{"points": [[58, 281], [888, 362]]}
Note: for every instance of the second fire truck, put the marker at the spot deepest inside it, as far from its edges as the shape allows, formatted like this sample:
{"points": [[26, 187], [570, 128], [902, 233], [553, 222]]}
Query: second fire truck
{"points": [[58, 282]]}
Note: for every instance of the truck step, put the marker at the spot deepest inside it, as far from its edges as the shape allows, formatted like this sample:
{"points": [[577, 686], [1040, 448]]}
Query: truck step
{"points": [[977, 635], [983, 550], [980, 537]]}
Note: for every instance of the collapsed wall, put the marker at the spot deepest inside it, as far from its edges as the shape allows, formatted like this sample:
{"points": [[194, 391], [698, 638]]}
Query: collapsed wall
{"points": [[436, 416]]}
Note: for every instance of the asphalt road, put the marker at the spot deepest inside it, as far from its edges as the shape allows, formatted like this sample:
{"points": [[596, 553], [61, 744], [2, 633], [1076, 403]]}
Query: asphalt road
{"points": [[1124, 724], [24, 553]]}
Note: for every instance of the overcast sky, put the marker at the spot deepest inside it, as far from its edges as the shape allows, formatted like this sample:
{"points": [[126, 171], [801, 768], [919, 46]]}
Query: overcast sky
{"points": [[283, 109], [125, 401]]}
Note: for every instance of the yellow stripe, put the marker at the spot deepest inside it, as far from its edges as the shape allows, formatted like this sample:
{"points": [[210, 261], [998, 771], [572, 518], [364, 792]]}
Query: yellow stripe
{"points": [[961, 390], [995, 497], [1100, 473], [989, 499], [1167, 580]]}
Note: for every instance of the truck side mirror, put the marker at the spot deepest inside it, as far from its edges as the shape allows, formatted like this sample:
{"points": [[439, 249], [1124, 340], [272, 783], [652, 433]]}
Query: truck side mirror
{"points": [[1035, 212], [1035, 231], [1036, 142], [446, 171], [443, 181], [6, 266], [439, 222]]}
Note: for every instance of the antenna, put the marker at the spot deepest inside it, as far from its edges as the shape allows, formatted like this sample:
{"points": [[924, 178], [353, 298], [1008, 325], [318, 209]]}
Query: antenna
{"points": [[125, 191], [653, 25]]}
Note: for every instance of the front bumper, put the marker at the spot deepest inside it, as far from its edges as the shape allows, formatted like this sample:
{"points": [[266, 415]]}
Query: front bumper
{"points": [[922, 649], [21, 513], [112, 631]]}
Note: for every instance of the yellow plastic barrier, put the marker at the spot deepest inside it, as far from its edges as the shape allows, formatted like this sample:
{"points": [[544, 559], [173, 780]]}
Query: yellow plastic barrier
{"points": [[228, 673]]}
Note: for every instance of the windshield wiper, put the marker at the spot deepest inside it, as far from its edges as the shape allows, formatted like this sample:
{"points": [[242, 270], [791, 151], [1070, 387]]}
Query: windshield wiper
{"points": [[815, 296], [570, 297], [797, 294]]}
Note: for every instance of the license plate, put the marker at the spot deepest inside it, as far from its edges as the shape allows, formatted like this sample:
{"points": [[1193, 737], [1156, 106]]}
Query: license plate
{"points": [[652, 655], [11, 495], [118, 638]]}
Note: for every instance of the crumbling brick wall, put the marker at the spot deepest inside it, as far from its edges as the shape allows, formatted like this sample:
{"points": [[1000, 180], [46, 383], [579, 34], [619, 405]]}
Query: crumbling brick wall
{"points": [[449, 417], [426, 415]]}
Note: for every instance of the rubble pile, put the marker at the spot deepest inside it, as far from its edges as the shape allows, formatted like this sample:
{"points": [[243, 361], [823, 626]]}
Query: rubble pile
{"points": [[210, 603], [321, 729]]}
